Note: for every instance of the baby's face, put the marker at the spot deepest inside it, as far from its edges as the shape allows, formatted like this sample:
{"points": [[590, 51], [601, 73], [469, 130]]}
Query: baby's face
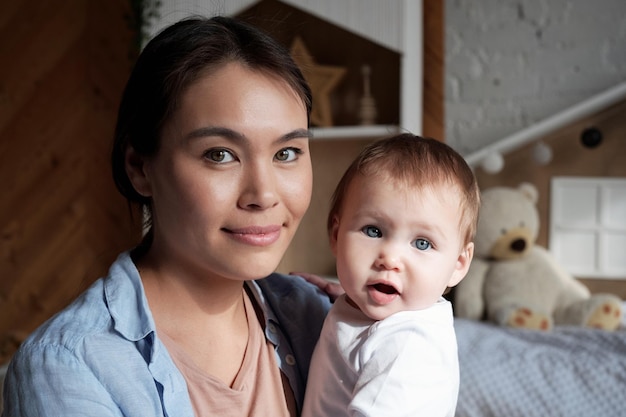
{"points": [[398, 247]]}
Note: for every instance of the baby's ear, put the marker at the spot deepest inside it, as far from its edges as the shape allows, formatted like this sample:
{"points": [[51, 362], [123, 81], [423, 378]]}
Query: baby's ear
{"points": [[462, 264], [334, 231]]}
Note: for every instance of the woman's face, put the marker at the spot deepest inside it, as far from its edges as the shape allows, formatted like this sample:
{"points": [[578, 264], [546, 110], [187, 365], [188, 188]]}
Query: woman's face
{"points": [[232, 177]]}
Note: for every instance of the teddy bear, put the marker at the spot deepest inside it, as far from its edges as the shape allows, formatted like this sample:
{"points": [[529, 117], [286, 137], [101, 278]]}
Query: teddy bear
{"points": [[514, 282]]}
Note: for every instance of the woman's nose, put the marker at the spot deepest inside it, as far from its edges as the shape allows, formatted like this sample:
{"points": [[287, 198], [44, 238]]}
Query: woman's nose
{"points": [[259, 188]]}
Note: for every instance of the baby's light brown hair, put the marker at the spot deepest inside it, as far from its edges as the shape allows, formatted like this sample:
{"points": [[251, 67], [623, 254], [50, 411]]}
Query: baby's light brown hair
{"points": [[416, 162]]}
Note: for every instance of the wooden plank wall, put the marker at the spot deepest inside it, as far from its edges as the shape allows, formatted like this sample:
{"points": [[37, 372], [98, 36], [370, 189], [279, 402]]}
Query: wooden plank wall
{"points": [[433, 119], [63, 67]]}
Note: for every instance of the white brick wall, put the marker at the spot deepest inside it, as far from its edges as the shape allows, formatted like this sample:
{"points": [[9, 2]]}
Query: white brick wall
{"points": [[512, 63]]}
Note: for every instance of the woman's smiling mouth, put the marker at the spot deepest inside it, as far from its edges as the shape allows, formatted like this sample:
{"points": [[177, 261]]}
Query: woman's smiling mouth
{"points": [[255, 235]]}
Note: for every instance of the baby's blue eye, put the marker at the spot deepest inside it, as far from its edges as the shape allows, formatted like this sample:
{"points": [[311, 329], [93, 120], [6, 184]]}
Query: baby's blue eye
{"points": [[422, 244], [372, 231]]}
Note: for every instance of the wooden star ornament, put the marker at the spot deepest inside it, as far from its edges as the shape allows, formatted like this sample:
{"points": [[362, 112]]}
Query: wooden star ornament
{"points": [[321, 78]]}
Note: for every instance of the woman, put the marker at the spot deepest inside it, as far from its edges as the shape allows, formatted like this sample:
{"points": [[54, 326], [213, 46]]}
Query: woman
{"points": [[212, 139]]}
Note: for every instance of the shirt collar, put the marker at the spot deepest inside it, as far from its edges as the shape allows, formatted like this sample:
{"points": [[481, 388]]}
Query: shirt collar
{"points": [[269, 317], [127, 300]]}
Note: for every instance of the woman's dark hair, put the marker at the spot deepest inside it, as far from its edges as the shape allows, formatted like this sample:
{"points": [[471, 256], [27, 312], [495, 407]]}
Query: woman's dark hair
{"points": [[172, 61]]}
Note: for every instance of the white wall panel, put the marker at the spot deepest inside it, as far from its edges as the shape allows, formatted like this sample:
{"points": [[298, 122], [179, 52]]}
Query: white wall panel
{"points": [[588, 225]]}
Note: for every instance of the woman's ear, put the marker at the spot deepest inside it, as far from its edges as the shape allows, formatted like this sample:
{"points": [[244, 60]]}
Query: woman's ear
{"points": [[135, 165], [462, 264]]}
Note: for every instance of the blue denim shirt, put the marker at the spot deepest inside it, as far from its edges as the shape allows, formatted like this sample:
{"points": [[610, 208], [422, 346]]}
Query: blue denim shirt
{"points": [[101, 355]]}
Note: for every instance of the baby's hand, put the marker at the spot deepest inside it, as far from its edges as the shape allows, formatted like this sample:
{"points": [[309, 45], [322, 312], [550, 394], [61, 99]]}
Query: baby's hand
{"points": [[332, 289]]}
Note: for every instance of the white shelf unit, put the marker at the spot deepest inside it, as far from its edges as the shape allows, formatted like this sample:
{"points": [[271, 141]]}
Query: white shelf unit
{"points": [[395, 24], [352, 132]]}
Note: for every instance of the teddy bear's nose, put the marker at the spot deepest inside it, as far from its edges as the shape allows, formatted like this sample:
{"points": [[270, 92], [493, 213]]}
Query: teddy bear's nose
{"points": [[518, 245]]}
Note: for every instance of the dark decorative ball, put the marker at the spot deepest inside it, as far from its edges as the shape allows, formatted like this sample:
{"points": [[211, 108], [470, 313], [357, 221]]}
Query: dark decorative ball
{"points": [[591, 137]]}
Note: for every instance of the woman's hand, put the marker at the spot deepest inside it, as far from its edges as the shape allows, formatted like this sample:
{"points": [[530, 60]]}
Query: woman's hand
{"points": [[332, 289]]}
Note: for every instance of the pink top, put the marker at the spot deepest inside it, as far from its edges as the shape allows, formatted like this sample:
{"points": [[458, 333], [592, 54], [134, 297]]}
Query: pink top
{"points": [[258, 389]]}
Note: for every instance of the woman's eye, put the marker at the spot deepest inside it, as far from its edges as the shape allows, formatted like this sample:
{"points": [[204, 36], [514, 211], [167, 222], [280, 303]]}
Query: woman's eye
{"points": [[422, 244], [219, 156], [288, 154], [372, 231]]}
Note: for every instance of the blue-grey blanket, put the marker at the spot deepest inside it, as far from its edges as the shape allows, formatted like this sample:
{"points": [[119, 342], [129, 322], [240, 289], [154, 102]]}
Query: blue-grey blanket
{"points": [[569, 372]]}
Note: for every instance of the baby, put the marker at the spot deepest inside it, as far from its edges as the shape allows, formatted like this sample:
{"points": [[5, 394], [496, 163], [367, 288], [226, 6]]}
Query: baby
{"points": [[401, 226]]}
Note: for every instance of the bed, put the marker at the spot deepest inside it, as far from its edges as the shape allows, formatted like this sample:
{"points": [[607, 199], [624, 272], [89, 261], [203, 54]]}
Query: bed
{"points": [[569, 371]]}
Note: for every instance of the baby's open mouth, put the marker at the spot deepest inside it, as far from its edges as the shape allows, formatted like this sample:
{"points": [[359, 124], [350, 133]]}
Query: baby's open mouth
{"points": [[382, 294], [384, 288]]}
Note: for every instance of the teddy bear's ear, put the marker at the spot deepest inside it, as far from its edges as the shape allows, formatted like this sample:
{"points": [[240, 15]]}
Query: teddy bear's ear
{"points": [[529, 191]]}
